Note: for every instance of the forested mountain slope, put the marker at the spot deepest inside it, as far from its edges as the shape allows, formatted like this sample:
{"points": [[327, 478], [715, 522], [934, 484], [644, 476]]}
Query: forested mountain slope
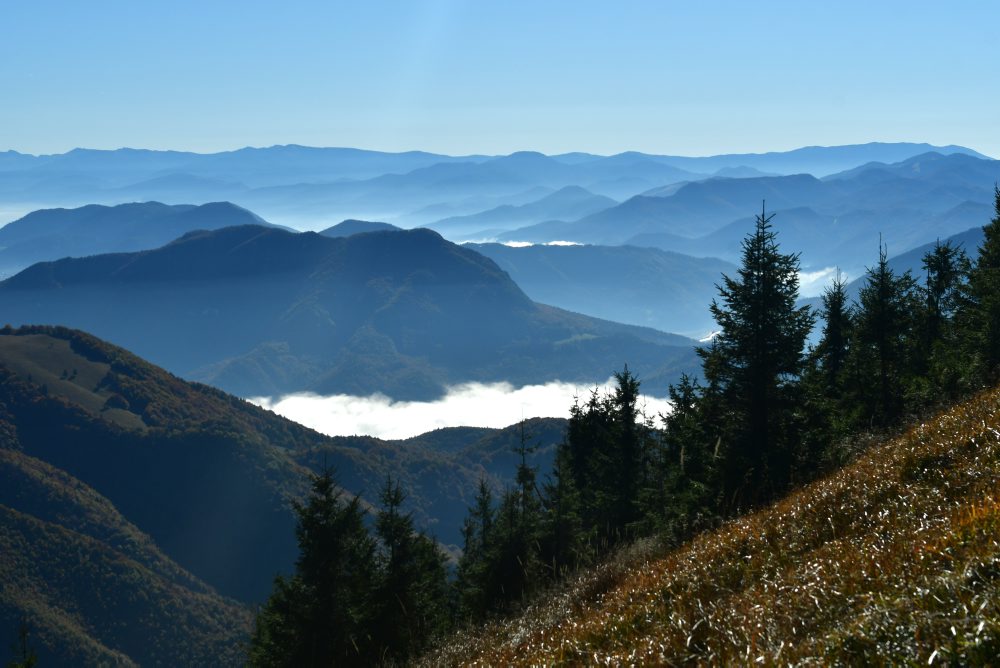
{"points": [[142, 515], [260, 311]]}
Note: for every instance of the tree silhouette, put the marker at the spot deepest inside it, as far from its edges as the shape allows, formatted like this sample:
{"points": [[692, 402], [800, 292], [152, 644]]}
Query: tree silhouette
{"points": [[754, 364]]}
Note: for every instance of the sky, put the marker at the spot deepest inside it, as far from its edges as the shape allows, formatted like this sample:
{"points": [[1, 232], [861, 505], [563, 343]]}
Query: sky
{"points": [[669, 77]]}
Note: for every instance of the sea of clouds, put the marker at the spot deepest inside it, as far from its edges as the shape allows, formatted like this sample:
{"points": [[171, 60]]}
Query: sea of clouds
{"points": [[469, 404]]}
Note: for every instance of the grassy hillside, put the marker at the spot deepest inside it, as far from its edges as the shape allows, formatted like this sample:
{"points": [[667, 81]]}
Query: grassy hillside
{"points": [[893, 560]]}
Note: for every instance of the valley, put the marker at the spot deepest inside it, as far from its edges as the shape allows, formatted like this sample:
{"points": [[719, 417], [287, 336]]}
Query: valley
{"points": [[136, 333]]}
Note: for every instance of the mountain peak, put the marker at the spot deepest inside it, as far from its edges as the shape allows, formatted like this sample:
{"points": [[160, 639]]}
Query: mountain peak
{"points": [[351, 227]]}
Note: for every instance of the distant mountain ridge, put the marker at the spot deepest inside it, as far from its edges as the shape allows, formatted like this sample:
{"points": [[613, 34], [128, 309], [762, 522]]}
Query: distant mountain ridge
{"points": [[569, 202], [260, 311], [298, 185], [49, 234], [347, 228], [831, 221], [639, 286]]}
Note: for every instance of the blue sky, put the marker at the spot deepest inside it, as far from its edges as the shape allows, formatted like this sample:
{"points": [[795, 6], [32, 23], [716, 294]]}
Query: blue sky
{"points": [[691, 78]]}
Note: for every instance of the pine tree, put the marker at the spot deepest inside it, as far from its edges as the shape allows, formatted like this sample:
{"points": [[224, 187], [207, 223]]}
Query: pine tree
{"points": [[831, 351], [410, 597], [562, 536], [628, 445], [589, 452], [322, 614], [981, 315], [475, 581], [883, 345], [939, 364], [755, 363], [822, 387], [686, 474]]}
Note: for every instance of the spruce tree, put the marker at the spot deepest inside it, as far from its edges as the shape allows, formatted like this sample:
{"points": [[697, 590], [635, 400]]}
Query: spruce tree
{"points": [[939, 364], [686, 476], [755, 363], [410, 598], [981, 317], [475, 581], [563, 546], [831, 351], [881, 357], [321, 615]]}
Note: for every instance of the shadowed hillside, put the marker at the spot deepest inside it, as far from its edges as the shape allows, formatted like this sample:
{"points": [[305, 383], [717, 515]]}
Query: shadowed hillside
{"points": [[202, 479]]}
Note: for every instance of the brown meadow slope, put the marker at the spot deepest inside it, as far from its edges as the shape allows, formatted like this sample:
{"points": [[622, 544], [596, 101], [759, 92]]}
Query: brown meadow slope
{"points": [[894, 559]]}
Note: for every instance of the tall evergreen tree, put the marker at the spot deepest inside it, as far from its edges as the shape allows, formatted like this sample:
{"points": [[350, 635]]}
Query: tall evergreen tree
{"points": [[410, 597], [939, 365], [981, 316], [883, 346], [628, 445], [686, 475], [755, 363], [475, 581], [322, 614], [563, 546], [831, 351]]}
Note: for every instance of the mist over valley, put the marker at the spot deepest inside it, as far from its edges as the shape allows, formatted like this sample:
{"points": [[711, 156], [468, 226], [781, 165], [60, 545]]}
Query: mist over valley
{"points": [[445, 333]]}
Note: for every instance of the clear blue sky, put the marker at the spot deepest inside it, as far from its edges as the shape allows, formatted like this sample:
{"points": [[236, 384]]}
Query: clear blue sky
{"points": [[694, 77]]}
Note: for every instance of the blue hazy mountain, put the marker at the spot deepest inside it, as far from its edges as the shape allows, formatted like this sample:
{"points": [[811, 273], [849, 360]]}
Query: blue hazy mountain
{"points": [[298, 185], [348, 228], [50, 234], [848, 241], [261, 311], [816, 160], [567, 203], [640, 286], [833, 221]]}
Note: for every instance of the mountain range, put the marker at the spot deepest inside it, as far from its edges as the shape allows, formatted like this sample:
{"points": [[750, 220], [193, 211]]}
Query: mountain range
{"points": [[832, 222], [50, 234], [568, 202], [262, 311], [303, 186]]}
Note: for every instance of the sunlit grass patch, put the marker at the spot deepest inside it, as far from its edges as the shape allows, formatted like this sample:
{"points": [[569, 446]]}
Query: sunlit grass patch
{"points": [[894, 559]]}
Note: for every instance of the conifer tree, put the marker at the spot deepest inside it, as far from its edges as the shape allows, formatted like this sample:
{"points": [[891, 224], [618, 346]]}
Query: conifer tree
{"points": [[410, 597], [687, 474], [321, 615], [754, 364], [883, 344], [628, 445], [475, 581], [939, 364], [831, 351], [562, 536], [981, 317]]}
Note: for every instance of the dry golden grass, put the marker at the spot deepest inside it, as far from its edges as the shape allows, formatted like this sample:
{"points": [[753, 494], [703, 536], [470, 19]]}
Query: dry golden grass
{"points": [[893, 560]]}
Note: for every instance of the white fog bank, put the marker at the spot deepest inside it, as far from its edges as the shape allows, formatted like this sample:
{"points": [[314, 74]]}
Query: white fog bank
{"points": [[466, 405]]}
